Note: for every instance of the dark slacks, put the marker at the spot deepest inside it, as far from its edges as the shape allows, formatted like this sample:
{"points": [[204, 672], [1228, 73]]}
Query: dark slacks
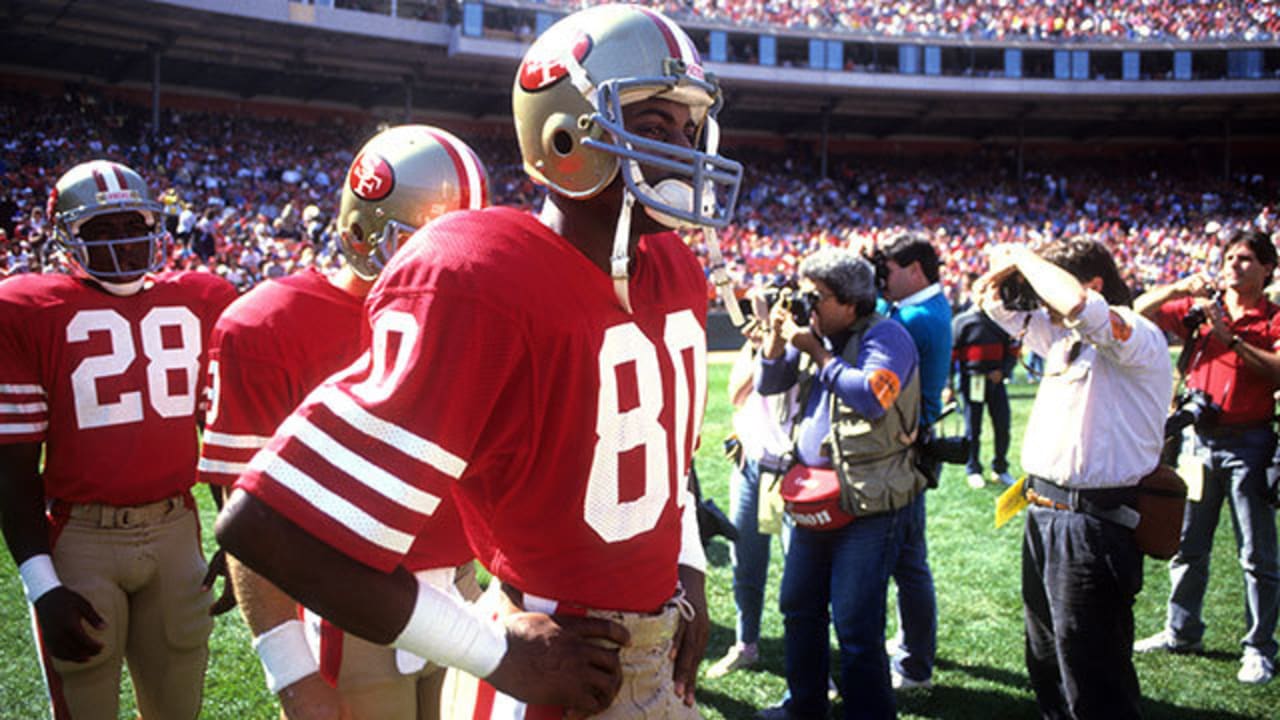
{"points": [[1080, 575]]}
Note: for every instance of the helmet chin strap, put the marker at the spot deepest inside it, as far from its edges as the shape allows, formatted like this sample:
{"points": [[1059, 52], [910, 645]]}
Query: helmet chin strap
{"points": [[677, 194], [720, 277], [621, 252]]}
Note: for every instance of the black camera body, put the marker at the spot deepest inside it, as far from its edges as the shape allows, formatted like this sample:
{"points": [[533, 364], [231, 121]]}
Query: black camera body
{"points": [[801, 304], [1017, 295], [1194, 407], [1196, 316]]}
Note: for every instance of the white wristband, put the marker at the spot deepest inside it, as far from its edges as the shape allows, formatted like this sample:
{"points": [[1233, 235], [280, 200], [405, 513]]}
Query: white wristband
{"points": [[692, 554], [448, 632], [286, 657], [38, 576]]}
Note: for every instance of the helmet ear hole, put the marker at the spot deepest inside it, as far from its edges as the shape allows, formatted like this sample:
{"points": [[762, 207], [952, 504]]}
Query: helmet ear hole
{"points": [[562, 142]]}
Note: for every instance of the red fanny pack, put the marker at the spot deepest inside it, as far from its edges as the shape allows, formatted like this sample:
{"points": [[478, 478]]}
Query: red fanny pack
{"points": [[812, 498]]}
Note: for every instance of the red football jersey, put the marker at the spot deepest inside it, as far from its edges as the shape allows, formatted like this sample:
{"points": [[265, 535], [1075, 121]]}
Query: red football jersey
{"points": [[109, 384], [269, 349], [502, 368]]}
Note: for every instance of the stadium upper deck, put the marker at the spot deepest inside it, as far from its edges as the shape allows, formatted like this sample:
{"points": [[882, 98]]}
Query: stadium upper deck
{"points": [[1077, 81]]}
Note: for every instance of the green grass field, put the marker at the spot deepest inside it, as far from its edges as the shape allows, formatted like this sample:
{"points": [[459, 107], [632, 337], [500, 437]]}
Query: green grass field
{"points": [[979, 674]]}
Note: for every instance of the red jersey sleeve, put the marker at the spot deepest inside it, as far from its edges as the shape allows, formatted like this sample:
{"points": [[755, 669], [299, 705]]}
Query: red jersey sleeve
{"points": [[1169, 316], [368, 458], [24, 408]]}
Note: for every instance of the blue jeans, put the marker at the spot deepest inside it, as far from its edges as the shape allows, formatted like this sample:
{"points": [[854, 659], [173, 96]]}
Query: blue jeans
{"points": [[917, 600], [750, 554], [841, 576], [996, 400], [1236, 472]]}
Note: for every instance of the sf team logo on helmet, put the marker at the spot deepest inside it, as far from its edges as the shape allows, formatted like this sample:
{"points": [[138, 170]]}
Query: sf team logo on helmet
{"points": [[400, 180], [539, 73], [371, 177]]}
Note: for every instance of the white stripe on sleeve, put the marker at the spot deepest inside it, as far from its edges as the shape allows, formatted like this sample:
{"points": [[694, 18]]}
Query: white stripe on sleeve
{"points": [[30, 408], [221, 467], [371, 476], [336, 507], [21, 389], [419, 448], [22, 428], [240, 442]]}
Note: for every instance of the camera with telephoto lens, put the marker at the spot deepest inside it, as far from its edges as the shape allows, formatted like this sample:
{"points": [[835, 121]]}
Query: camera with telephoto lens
{"points": [[1194, 407], [1017, 295]]}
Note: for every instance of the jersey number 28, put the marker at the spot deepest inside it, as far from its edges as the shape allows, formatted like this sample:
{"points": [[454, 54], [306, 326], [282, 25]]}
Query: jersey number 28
{"points": [[91, 412]]}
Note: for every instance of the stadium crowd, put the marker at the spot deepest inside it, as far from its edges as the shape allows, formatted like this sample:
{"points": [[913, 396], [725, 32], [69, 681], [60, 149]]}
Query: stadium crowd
{"points": [[995, 19], [252, 199]]}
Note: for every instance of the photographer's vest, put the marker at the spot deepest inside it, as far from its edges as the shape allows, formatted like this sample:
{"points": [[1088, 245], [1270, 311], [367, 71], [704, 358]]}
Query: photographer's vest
{"points": [[874, 459]]}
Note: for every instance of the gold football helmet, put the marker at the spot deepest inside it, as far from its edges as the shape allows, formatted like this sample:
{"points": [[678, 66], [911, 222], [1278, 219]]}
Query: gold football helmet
{"points": [[568, 97], [102, 187], [399, 181]]}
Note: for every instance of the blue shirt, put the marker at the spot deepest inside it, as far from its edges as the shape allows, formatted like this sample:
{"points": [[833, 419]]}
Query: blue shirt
{"points": [[927, 316], [887, 346]]}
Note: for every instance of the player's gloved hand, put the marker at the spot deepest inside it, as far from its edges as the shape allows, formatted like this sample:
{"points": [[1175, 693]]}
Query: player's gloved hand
{"points": [[62, 614], [218, 569], [311, 698], [690, 642], [567, 661]]}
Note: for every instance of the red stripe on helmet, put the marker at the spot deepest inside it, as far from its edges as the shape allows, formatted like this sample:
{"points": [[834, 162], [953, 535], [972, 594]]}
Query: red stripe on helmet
{"points": [[120, 178], [100, 180], [673, 44], [459, 167], [484, 182]]}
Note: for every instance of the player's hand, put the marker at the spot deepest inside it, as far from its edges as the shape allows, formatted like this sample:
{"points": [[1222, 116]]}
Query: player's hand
{"points": [[995, 377], [571, 662], [218, 569], [62, 614], [311, 698], [690, 642]]}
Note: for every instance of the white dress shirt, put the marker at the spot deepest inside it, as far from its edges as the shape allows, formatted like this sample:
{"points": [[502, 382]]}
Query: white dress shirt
{"points": [[1098, 417]]}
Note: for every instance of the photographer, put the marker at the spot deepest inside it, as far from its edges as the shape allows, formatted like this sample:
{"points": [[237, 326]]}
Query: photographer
{"points": [[1233, 371], [907, 273], [1094, 432], [857, 416]]}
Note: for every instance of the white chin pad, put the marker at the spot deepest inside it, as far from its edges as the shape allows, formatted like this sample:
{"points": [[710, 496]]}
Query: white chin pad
{"points": [[123, 289], [678, 194]]}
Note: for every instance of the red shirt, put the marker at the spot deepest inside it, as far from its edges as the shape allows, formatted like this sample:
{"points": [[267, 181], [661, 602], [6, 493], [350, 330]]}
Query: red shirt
{"points": [[269, 349], [503, 370], [1245, 396], [109, 384]]}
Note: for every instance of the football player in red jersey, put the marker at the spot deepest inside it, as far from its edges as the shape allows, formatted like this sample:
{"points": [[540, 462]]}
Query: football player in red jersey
{"points": [[549, 373], [104, 370], [270, 349]]}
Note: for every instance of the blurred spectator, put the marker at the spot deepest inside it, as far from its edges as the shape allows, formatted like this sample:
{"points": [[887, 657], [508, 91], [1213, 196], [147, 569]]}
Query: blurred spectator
{"points": [[1149, 209]]}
